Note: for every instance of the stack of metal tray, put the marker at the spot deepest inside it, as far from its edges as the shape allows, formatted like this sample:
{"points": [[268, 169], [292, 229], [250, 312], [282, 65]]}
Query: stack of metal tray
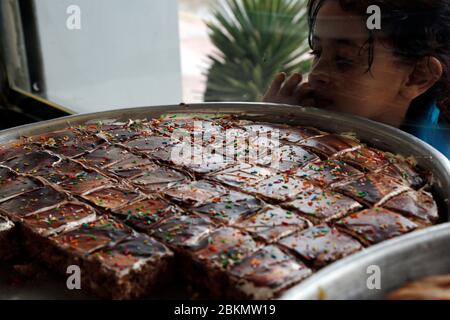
{"points": [[406, 257]]}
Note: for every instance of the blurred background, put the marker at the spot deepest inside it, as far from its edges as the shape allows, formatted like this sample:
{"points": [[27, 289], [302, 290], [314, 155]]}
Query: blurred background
{"points": [[76, 56]]}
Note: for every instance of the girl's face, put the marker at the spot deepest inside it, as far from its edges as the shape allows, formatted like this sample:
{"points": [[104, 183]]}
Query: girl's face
{"points": [[339, 76]]}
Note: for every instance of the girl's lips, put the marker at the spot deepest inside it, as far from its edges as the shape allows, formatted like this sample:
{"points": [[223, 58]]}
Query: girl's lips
{"points": [[322, 102]]}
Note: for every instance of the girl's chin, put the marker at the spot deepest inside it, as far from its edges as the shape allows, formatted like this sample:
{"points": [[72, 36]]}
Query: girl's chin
{"points": [[325, 104]]}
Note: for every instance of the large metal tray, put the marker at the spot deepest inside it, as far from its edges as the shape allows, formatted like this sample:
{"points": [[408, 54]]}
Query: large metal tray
{"points": [[376, 134]]}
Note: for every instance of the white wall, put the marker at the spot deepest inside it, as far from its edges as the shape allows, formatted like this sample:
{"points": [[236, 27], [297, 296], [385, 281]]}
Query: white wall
{"points": [[125, 54]]}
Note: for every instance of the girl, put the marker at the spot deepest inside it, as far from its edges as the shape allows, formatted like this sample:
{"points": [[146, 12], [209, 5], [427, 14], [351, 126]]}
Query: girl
{"points": [[398, 75]]}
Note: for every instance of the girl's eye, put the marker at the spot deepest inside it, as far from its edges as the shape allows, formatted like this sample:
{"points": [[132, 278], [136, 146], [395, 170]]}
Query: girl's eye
{"points": [[341, 61]]}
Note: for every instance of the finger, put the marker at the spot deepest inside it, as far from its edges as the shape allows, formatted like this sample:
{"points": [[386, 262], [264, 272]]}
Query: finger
{"points": [[275, 86], [291, 84]]}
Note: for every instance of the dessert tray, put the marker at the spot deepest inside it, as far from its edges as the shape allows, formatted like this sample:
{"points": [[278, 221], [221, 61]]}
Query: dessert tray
{"points": [[224, 200]]}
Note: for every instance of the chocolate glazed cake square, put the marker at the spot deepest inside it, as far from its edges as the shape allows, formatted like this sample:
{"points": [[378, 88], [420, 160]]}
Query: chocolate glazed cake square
{"points": [[418, 206], [70, 142], [16, 147], [12, 185], [321, 206], [32, 202], [208, 264], [365, 159], [374, 188], [265, 273], [103, 156], [130, 269], [196, 193], [375, 225], [143, 215], [32, 163], [330, 145], [75, 178], [64, 217], [321, 245], [229, 208], [182, 232], [115, 261], [273, 223], [326, 173]]}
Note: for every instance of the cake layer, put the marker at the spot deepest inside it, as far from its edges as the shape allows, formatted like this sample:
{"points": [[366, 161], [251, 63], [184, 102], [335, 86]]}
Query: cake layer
{"points": [[9, 245]]}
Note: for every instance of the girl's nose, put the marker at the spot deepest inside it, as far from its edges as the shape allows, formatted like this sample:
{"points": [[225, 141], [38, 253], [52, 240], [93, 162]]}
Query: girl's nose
{"points": [[319, 80], [320, 76]]}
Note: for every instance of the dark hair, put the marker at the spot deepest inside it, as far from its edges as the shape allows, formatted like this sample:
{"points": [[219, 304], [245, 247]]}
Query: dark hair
{"points": [[415, 29]]}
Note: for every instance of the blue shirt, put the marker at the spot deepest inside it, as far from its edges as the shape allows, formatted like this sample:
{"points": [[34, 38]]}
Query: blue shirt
{"points": [[430, 128]]}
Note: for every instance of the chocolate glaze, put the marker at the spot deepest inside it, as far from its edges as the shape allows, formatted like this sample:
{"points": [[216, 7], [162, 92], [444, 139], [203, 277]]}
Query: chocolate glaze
{"points": [[404, 173], [32, 201], [288, 158], [243, 175], [126, 170], [194, 125], [371, 188], [321, 245], [32, 162], [130, 161], [149, 144], [157, 178], [280, 187], [416, 205], [366, 159], [69, 142], [375, 225], [271, 268], [6, 173], [65, 216], [15, 148], [196, 193], [273, 223], [225, 247], [287, 133], [131, 253], [122, 134], [65, 167], [145, 214], [329, 145], [12, 185], [73, 177], [203, 163], [104, 232], [182, 231], [321, 205], [230, 207], [103, 156], [112, 197], [327, 172]]}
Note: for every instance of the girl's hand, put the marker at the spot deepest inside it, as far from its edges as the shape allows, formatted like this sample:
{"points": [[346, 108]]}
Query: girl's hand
{"points": [[291, 91]]}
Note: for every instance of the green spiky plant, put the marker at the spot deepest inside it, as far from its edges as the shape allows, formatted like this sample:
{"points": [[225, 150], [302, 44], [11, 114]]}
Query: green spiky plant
{"points": [[254, 40]]}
